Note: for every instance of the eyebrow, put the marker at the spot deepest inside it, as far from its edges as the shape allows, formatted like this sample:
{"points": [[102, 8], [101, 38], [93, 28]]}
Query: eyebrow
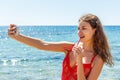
{"points": [[83, 26]]}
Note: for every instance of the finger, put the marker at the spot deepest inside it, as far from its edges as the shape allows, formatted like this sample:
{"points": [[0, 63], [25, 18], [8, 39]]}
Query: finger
{"points": [[12, 31], [74, 48], [75, 45], [12, 25], [12, 28], [78, 50]]}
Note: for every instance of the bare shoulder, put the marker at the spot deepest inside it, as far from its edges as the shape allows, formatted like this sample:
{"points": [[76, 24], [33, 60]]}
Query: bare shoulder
{"points": [[98, 60]]}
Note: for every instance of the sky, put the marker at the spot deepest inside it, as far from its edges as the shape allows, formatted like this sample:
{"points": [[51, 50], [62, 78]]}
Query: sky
{"points": [[57, 12]]}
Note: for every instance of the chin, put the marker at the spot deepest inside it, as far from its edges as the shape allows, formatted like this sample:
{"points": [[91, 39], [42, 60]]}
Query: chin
{"points": [[81, 40]]}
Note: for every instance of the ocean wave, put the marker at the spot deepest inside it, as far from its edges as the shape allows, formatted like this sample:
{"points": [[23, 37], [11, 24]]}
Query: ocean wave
{"points": [[15, 61]]}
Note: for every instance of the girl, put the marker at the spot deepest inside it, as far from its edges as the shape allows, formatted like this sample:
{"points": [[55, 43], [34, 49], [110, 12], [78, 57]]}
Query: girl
{"points": [[85, 59]]}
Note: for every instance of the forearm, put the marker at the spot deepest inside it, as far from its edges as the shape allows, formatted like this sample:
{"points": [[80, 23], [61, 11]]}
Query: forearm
{"points": [[29, 41], [80, 69]]}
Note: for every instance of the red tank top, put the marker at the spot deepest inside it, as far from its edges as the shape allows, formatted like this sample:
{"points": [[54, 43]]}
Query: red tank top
{"points": [[70, 73]]}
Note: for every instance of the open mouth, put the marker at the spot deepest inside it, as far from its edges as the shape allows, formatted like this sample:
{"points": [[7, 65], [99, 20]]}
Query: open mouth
{"points": [[82, 37]]}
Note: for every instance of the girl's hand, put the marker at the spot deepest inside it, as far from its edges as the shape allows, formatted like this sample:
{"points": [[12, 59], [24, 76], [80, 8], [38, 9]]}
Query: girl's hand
{"points": [[78, 49], [78, 52], [13, 30]]}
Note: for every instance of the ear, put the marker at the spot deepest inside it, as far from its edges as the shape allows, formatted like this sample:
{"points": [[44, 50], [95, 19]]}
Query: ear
{"points": [[94, 30]]}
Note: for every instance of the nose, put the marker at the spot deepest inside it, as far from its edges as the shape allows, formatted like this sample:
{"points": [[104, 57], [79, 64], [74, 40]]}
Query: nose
{"points": [[80, 31]]}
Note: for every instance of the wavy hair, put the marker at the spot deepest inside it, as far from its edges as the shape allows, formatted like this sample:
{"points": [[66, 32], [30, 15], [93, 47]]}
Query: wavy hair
{"points": [[100, 43]]}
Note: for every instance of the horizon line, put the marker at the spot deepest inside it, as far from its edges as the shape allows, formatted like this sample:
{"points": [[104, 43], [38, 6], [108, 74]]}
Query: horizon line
{"points": [[59, 25]]}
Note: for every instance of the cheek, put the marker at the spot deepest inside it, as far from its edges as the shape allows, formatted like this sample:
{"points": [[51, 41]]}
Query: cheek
{"points": [[89, 35]]}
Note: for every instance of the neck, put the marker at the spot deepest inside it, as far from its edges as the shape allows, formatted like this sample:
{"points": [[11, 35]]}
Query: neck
{"points": [[88, 46]]}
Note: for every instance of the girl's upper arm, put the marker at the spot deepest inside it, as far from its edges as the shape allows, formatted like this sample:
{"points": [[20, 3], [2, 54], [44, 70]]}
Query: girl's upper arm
{"points": [[97, 68], [56, 46], [43, 45]]}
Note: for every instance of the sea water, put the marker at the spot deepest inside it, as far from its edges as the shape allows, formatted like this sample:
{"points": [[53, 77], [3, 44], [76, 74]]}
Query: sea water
{"points": [[22, 62]]}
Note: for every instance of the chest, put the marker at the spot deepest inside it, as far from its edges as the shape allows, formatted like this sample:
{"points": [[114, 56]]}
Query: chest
{"points": [[70, 67], [72, 59]]}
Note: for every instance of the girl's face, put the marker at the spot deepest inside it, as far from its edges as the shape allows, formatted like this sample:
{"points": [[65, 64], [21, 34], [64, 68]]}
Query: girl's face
{"points": [[85, 31]]}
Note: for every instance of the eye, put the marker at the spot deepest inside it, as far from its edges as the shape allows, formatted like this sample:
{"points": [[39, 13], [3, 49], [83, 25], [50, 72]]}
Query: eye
{"points": [[78, 28], [84, 28]]}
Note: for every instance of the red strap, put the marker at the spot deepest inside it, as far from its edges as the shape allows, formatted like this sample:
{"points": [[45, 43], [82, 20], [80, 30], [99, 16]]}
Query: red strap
{"points": [[93, 58]]}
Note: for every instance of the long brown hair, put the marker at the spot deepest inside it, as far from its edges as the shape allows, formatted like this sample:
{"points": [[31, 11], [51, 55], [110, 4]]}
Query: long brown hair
{"points": [[100, 43]]}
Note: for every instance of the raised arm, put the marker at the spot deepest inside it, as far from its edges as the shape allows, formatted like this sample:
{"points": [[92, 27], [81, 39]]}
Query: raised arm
{"points": [[38, 43]]}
